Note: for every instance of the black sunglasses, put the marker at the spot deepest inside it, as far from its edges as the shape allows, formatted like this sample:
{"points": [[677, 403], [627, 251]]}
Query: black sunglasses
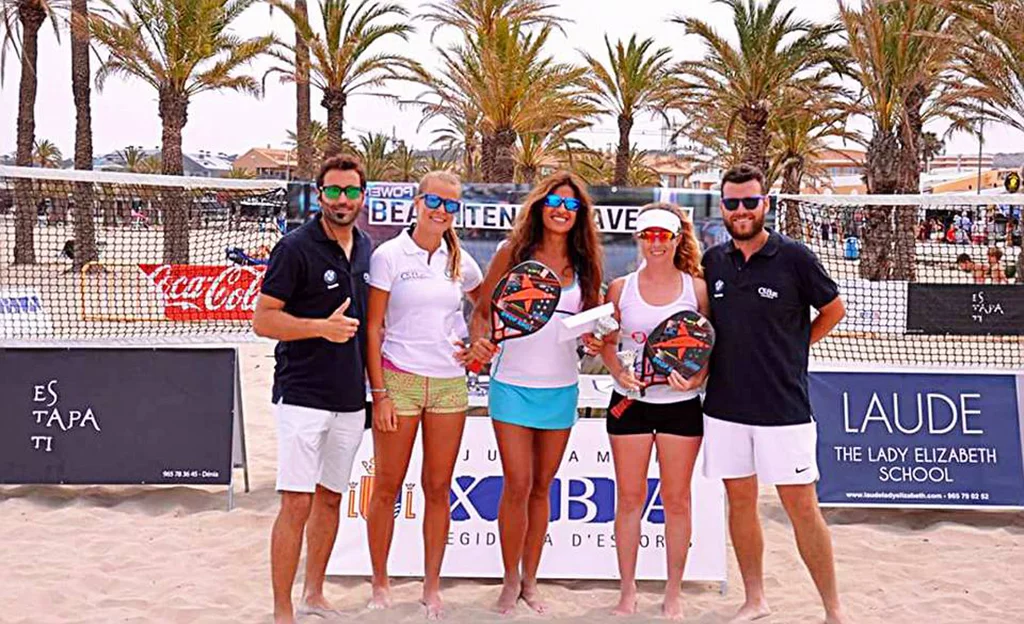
{"points": [[750, 203]]}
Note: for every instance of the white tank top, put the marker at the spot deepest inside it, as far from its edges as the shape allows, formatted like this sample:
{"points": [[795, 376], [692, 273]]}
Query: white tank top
{"points": [[539, 360], [639, 318]]}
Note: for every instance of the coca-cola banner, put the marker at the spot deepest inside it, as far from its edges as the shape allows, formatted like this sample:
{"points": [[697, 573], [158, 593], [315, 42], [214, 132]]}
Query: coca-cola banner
{"points": [[195, 292]]}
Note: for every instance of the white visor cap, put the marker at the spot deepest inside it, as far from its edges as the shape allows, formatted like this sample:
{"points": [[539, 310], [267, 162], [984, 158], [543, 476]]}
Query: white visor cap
{"points": [[659, 218]]}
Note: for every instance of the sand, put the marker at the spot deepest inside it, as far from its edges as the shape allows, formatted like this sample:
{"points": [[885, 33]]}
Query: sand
{"points": [[174, 554]]}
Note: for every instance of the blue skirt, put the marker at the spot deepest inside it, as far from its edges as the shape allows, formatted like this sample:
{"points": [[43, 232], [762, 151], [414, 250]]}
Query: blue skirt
{"points": [[536, 408]]}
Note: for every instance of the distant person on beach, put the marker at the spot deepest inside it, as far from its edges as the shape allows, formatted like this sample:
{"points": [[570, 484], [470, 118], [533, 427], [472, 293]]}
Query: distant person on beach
{"points": [[758, 424], [996, 272], [313, 300], [967, 264]]}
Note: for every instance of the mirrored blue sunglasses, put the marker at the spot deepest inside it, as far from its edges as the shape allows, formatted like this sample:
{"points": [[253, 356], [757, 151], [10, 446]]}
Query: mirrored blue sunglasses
{"points": [[451, 206], [554, 201]]}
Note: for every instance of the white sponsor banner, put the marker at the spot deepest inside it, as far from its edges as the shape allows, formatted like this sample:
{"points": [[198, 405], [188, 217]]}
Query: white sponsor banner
{"points": [[580, 542], [392, 204], [22, 314]]}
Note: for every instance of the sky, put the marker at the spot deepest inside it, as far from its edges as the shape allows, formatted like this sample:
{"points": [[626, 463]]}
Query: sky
{"points": [[125, 112]]}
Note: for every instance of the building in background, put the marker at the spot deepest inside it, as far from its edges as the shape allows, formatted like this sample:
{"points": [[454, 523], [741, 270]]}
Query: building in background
{"points": [[267, 163]]}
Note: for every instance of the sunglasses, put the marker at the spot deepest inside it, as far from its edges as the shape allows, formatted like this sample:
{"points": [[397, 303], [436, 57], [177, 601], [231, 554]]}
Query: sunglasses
{"points": [[750, 203], [655, 236], [451, 206], [335, 192], [554, 201]]}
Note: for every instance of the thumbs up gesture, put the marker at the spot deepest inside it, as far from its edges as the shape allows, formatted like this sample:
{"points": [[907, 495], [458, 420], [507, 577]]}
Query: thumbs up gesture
{"points": [[338, 327]]}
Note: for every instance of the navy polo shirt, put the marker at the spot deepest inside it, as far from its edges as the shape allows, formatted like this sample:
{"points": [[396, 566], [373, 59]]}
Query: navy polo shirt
{"points": [[313, 276], [761, 311]]}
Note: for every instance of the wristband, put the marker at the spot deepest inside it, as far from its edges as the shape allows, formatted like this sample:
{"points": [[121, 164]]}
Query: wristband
{"points": [[378, 390]]}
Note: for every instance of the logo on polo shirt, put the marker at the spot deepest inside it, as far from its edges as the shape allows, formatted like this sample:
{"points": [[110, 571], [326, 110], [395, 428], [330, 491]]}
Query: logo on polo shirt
{"points": [[719, 287], [767, 293], [412, 275], [331, 278], [366, 277]]}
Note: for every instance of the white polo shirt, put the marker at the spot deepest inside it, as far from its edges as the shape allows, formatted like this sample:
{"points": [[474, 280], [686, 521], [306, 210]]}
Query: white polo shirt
{"points": [[424, 313]]}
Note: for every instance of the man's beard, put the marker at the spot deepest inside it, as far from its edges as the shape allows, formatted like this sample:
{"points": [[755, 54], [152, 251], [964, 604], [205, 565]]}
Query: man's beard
{"points": [[341, 219], [757, 224]]}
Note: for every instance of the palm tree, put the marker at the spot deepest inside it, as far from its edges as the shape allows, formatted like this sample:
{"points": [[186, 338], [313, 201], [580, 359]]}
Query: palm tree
{"points": [[181, 48], [901, 53], [317, 142], [931, 146], [132, 157], [46, 154], [406, 164], [374, 154], [303, 116], [341, 62], [597, 168], [554, 147], [775, 51], [480, 17], [21, 22], [992, 61], [516, 88], [638, 79], [85, 227]]}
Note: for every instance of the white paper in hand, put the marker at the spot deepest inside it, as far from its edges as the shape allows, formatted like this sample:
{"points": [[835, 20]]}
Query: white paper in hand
{"points": [[576, 325]]}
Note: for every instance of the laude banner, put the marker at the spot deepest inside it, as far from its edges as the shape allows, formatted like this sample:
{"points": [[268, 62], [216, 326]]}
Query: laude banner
{"points": [[909, 439], [494, 206], [580, 542]]}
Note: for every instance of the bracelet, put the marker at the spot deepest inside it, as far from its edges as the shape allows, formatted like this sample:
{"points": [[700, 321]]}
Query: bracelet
{"points": [[378, 390]]}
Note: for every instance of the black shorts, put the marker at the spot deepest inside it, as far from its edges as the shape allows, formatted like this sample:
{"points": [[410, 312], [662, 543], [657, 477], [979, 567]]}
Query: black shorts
{"points": [[684, 418]]}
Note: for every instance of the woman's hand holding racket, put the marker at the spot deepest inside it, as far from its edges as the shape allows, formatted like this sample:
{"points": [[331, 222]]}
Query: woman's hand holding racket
{"points": [[681, 384], [480, 351]]}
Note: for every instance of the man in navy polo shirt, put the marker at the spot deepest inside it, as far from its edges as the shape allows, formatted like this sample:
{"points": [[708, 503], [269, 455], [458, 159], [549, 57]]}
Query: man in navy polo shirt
{"points": [[313, 301], [758, 425]]}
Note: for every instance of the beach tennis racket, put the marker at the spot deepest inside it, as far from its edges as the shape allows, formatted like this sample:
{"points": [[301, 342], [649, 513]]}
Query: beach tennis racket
{"points": [[522, 303], [681, 343]]}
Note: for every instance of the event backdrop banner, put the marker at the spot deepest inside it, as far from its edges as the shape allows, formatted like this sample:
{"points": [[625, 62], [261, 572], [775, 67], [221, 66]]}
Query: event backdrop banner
{"points": [[116, 416], [580, 542], [965, 309], [494, 206], [915, 439]]}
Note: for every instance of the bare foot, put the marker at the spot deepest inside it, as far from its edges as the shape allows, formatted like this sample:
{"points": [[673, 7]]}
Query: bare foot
{"points": [[751, 611], [508, 598], [284, 618], [381, 598], [531, 597], [435, 608], [672, 607], [627, 603], [835, 617], [318, 606]]}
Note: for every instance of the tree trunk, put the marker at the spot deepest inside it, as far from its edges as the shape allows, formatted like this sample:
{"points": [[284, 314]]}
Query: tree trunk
{"points": [[487, 155], [876, 236], [174, 115], [85, 223], [621, 177], [755, 139], [468, 171], [529, 175], [334, 101], [505, 156], [31, 15], [791, 178], [303, 118], [904, 241]]}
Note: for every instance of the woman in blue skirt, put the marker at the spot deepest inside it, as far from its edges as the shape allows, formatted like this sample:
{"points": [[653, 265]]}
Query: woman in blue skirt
{"points": [[533, 387]]}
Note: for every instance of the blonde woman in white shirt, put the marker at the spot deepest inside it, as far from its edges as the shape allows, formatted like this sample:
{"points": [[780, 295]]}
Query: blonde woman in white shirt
{"points": [[416, 366]]}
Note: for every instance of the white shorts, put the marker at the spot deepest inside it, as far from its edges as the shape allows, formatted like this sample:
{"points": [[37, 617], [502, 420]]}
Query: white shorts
{"points": [[316, 446], [780, 455]]}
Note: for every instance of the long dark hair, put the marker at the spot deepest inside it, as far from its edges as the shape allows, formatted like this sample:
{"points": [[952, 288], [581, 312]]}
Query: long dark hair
{"points": [[584, 248]]}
